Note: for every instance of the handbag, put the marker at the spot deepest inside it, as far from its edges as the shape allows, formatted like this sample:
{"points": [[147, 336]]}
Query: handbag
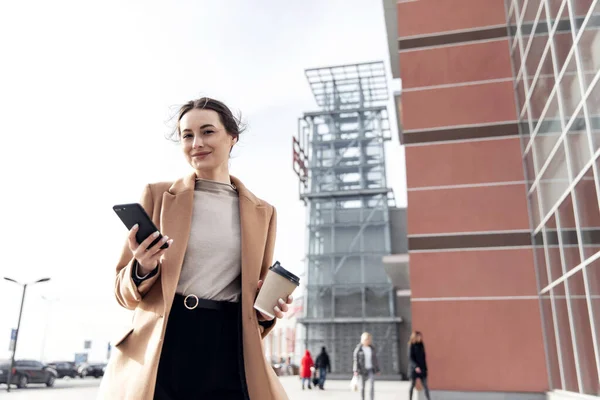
{"points": [[354, 383]]}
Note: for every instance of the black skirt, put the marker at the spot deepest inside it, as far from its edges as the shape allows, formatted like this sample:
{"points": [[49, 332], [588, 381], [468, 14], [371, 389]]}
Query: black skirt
{"points": [[202, 355]]}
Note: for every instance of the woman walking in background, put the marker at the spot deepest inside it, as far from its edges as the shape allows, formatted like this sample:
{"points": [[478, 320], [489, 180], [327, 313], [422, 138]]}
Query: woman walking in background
{"points": [[417, 364], [305, 369]]}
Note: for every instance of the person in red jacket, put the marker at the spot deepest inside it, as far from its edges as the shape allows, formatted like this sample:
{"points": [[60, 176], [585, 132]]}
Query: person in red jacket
{"points": [[305, 365]]}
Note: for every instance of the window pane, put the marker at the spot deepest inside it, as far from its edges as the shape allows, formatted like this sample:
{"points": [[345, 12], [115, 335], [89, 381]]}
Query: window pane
{"points": [[581, 7], [529, 170], [520, 94], [548, 133], [563, 40], [565, 338], [528, 17], [583, 334], [553, 260], [535, 208], [579, 147], [552, 351], [512, 29], [568, 234], [554, 181], [589, 48], [319, 302], [348, 302], [589, 215], [348, 270], [593, 105], [535, 54], [570, 89], [377, 300], [375, 270], [554, 8], [540, 95], [540, 261]]}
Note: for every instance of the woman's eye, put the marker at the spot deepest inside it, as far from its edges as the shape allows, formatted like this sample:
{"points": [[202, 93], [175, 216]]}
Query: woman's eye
{"points": [[208, 132], [187, 135]]}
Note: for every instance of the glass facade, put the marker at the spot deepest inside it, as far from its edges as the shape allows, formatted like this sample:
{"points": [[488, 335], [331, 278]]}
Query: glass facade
{"points": [[555, 50]]}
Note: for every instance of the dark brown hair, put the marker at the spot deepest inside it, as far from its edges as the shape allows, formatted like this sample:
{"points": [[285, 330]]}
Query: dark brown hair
{"points": [[233, 124]]}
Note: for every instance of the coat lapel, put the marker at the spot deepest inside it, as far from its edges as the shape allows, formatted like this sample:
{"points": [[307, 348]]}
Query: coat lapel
{"points": [[253, 222], [176, 219], [175, 222]]}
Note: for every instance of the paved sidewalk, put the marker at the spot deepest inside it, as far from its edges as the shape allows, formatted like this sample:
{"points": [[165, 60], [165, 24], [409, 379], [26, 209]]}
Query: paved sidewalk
{"points": [[340, 390], [78, 389]]}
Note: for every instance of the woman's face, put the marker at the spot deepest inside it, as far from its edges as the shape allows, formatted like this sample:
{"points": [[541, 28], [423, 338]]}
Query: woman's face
{"points": [[366, 340], [204, 140], [419, 338]]}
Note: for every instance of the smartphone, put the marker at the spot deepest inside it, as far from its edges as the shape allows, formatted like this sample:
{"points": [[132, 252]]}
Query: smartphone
{"points": [[134, 213]]}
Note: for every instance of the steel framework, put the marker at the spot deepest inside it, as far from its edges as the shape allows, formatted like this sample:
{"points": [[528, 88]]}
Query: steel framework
{"points": [[340, 160]]}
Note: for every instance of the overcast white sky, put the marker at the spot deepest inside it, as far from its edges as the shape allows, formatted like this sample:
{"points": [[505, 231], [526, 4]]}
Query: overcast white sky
{"points": [[86, 89]]}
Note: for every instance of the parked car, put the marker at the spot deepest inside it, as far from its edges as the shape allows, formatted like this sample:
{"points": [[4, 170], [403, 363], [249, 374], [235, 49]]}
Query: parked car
{"points": [[95, 370], [28, 371], [65, 369]]}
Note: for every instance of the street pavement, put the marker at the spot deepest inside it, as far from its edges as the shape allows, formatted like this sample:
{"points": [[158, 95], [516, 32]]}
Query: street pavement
{"points": [[86, 389]]}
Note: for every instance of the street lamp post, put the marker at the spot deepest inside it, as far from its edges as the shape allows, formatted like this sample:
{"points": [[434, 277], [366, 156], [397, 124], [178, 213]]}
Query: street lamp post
{"points": [[12, 357]]}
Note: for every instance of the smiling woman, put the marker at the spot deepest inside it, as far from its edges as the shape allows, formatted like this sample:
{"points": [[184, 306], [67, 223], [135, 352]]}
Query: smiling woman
{"points": [[195, 332], [207, 131]]}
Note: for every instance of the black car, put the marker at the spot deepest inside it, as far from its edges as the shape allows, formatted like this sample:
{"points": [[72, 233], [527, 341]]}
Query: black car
{"points": [[65, 369], [28, 371], [95, 370]]}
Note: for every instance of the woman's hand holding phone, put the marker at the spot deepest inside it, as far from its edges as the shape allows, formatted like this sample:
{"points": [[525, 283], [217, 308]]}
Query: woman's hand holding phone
{"points": [[147, 257]]}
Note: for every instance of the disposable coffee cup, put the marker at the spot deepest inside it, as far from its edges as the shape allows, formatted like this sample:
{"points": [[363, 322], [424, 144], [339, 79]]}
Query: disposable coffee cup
{"points": [[279, 284]]}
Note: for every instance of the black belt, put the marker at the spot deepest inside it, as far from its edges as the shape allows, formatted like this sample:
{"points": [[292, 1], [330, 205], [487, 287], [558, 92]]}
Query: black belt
{"points": [[191, 302]]}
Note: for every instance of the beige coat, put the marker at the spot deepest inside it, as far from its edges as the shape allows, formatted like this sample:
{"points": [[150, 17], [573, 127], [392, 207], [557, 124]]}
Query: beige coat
{"points": [[131, 372]]}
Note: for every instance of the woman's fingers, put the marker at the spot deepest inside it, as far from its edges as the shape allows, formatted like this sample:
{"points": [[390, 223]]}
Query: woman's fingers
{"points": [[144, 246], [133, 244], [278, 312], [283, 305]]}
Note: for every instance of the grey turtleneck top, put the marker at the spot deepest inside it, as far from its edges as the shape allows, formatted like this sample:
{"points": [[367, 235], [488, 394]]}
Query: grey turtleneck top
{"points": [[212, 264]]}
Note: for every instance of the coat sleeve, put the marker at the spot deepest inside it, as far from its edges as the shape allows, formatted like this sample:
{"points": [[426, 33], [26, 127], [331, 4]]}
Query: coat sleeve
{"points": [[128, 294], [267, 262], [411, 354], [375, 360], [355, 360]]}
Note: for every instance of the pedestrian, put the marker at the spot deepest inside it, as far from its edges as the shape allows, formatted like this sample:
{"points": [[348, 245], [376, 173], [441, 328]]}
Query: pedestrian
{"points": [[417, 364], [306, 364], [323, 365], [195, 333], [365, 364]]}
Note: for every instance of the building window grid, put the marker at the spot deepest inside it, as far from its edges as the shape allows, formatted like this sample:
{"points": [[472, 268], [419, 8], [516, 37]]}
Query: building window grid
{"points": [[554, 319], [578, 222], [581, 107]]}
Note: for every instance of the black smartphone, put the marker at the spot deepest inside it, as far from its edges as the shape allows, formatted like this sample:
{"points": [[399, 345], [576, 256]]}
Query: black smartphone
{"points": [[134, 213]]}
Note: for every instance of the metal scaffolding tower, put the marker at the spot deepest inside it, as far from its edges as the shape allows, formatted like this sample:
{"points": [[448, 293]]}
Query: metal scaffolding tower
{"points": [[340, 160]]}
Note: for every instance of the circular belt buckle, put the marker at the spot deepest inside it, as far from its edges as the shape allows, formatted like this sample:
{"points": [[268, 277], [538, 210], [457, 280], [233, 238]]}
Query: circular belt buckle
{"points": [[186, 299]]}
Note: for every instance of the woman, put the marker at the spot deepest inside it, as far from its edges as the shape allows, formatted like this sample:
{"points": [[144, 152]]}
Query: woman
{"points": [[195, 333], [365, 364], [417, 364], [305, 369]]}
